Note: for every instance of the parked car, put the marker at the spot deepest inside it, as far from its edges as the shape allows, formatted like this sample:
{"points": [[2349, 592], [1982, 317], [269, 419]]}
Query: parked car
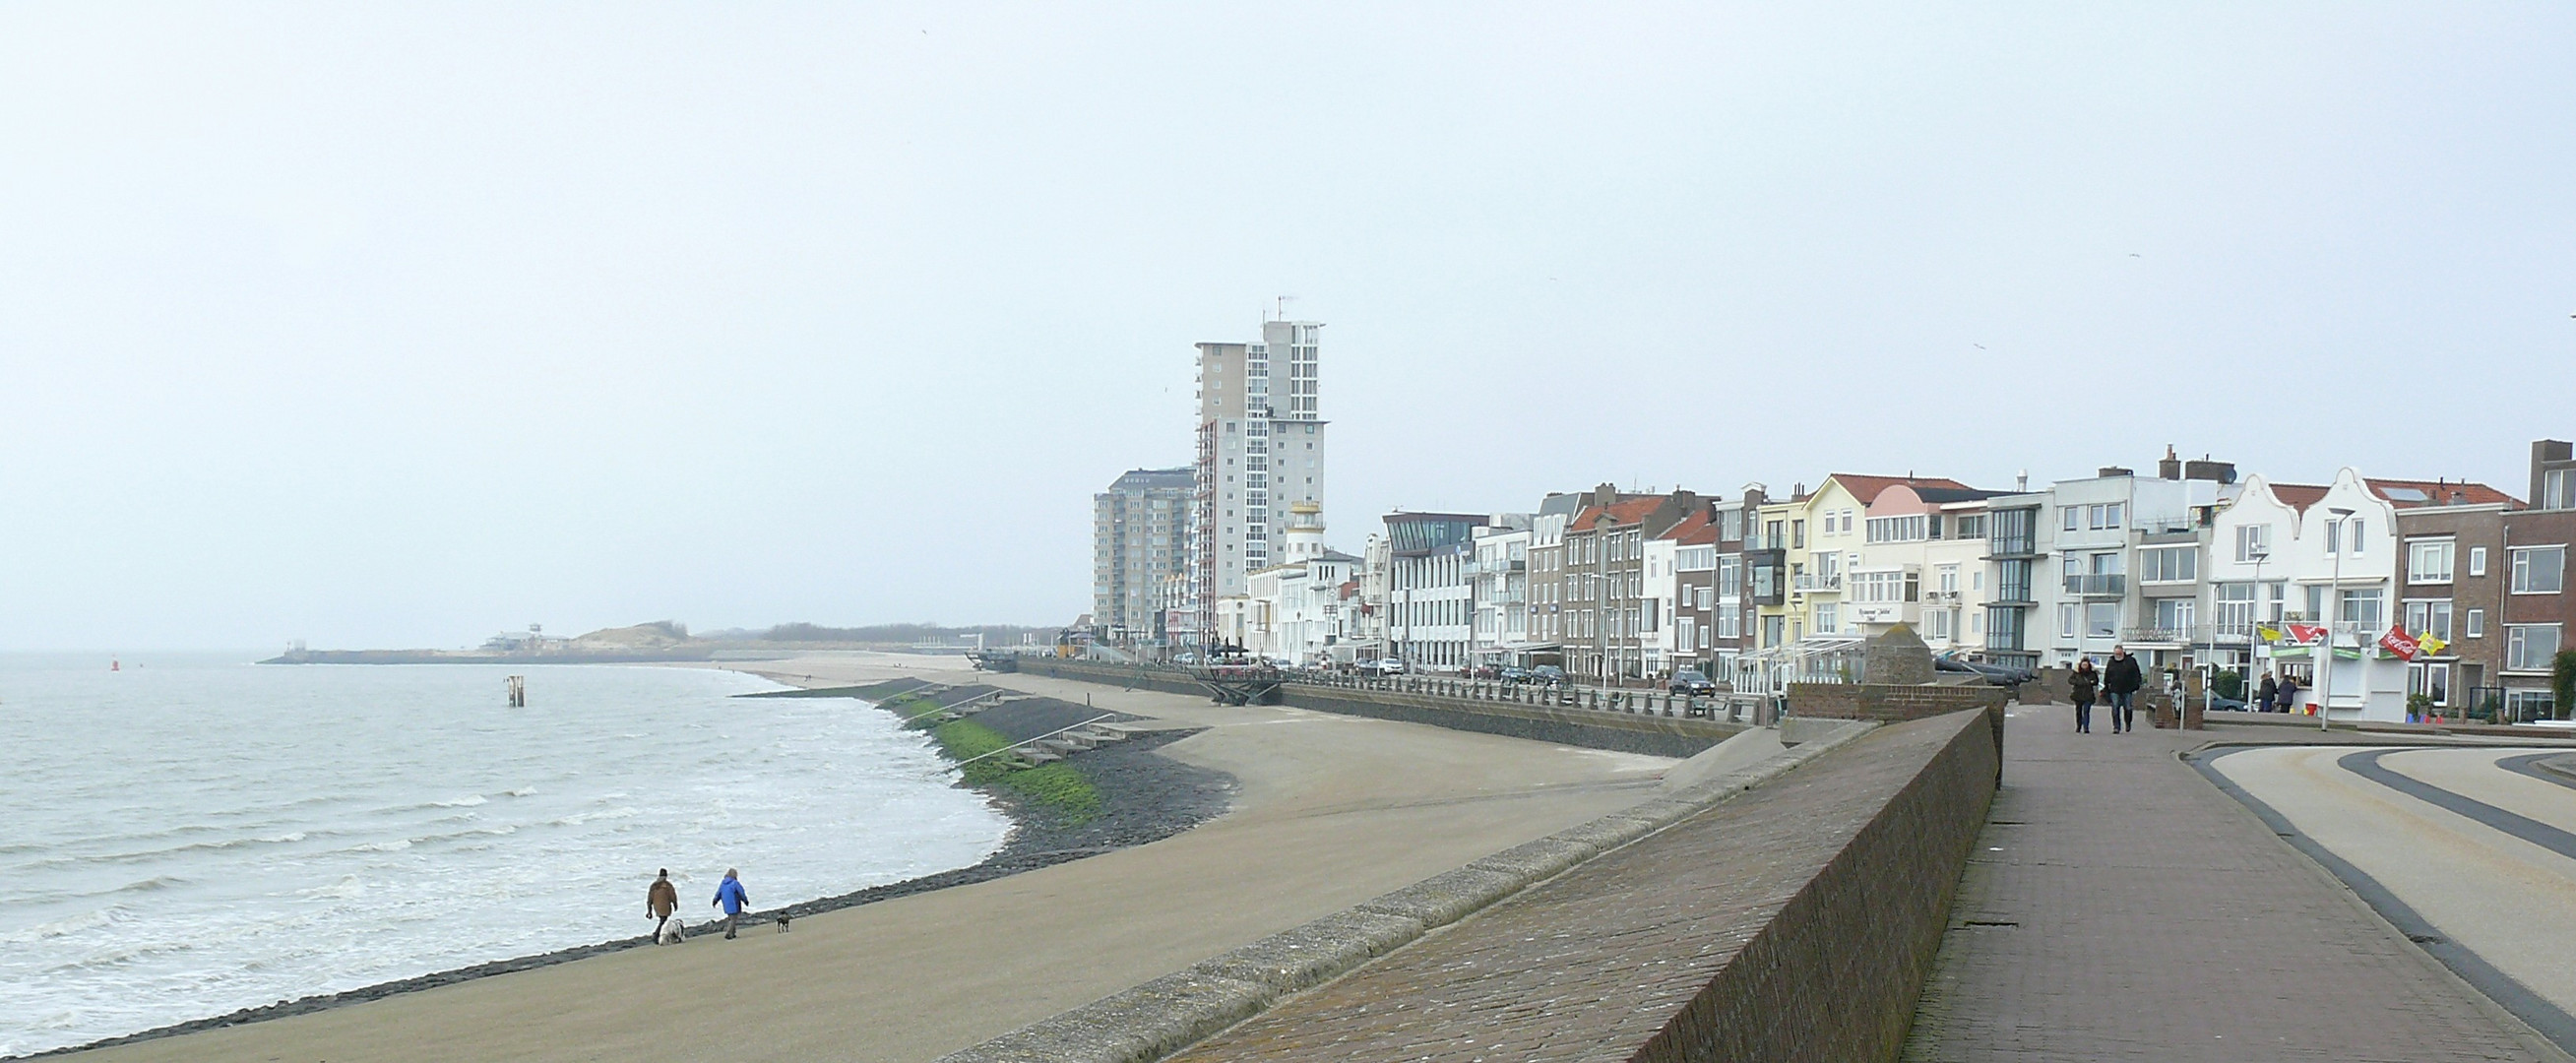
{"points": [[2223, 703], [1185, 658], [1691, 682], [1548, 674], [1996, 674], [1384, 666], [1513, 673]]}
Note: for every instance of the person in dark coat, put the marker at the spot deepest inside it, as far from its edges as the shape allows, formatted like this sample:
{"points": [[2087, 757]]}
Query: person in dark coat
{"points": [[2289, 694], [2120, 683], [2080, 687], [2267, 693]]}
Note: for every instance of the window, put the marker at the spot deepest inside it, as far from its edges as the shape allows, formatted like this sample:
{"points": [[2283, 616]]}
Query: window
{"points": [[2173, 616], [1897, 529], [1730, 621], [2253, 541], [1936, 625], [1703, 596], [2430, 679], [2477, 561], [2103, 517], [2474, 625], [1825, 620], [2430, 618], [1730, 576], [2362, 607], [2522, 705], [2172, 564], [2347, 532], [2428, 561], [2539, 569], [2528, 647], [2102, 620], [2074, 518], [1948, 576], [2558, 489], [1968, 526], [2066, 622]]}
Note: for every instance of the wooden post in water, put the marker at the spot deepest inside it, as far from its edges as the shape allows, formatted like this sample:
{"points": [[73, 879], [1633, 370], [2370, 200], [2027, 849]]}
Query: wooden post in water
{"points": [[518, 692]]}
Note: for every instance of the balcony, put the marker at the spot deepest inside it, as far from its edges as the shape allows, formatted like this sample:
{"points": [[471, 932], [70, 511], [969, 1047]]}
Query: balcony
{"points": [[2111, 585], [1808, 581], [1939, 597], [2156, 636]]}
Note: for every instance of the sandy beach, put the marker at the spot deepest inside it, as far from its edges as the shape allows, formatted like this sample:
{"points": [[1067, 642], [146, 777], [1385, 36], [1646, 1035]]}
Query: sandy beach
{"points": [[1330, 811]]}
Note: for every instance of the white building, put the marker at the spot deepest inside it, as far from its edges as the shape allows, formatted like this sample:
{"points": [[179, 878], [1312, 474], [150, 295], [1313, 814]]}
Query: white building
{"points": [[1294, 610], [1502, 589], [1431, 618], [2326, 556], [1260, 448], [1921, 563]]}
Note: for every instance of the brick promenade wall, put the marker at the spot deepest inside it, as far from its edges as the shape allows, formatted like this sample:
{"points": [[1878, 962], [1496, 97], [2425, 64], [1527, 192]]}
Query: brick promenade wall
{"points": [[1895, 704], [1627, 732], [1797, 921]]}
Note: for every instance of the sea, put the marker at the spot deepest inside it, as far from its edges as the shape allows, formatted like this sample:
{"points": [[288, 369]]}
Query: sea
{"points": [[185, 836]]}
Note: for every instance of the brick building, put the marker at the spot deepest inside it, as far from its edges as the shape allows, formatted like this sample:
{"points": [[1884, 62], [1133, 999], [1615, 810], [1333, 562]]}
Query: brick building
{"points": [[2536, 603], [1605, 577]]}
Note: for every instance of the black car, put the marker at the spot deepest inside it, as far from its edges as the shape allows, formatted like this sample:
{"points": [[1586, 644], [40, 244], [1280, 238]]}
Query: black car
{"points": [[1513, 673], [1548, 674], [1690, 681]]}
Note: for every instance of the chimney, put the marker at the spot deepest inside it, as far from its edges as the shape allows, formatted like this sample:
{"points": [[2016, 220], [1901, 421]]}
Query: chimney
{"points": [[2021, 480], [2171, 467]]}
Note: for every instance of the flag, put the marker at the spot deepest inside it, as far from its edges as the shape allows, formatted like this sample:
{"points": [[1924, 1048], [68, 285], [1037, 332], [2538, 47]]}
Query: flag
{"points": [[2398, 642], [2267, 633], [2430, 646], [2306, 634]]}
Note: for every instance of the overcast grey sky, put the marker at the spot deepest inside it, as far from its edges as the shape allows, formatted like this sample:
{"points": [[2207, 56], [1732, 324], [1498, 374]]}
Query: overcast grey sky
{"points": [[378, 325]]}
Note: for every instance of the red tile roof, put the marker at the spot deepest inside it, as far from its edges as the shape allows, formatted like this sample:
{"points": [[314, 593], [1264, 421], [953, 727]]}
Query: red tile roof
{"points": [[2406, 494], [2298, 496], [1627, 511], [1866, 488]]}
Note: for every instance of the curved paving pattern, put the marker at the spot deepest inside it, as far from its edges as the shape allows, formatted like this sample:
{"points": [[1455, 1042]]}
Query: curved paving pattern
{"points": [[2472, 858]]}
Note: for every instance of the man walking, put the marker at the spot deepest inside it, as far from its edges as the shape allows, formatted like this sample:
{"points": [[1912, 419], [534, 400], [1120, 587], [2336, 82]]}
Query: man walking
{"points": [[2120, 683], [661, 902], [730, 897]]}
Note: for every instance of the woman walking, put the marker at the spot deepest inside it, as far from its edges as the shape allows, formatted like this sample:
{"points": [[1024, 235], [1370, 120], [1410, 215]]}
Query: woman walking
{"points": [[2267, 693], [2079, 689]]}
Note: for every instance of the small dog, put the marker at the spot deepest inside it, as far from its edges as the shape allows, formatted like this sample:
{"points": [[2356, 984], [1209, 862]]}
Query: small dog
{"points": [[670, 932], [782, 922]]}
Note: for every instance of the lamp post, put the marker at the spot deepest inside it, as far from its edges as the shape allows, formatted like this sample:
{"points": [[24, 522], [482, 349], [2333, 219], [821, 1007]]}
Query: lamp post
{"points": [[2334, 613], [2253, 623]]}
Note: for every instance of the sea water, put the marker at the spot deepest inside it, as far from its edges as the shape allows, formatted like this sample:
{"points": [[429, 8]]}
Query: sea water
{"points": [[182, 837]]}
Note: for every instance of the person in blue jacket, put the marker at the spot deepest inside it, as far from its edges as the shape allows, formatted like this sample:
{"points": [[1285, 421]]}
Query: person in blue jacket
{"points": [[730, 897]]}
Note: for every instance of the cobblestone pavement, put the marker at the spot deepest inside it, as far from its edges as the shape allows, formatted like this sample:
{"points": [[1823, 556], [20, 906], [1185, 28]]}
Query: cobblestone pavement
{"points": [[2119, 906]]}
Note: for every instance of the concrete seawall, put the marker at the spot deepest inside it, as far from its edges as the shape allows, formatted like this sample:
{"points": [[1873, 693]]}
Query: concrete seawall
{"points": [[1625, 732], [1789, 912]]}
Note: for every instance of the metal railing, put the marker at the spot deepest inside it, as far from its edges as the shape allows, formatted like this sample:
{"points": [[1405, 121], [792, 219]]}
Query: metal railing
{"points": [[1809, 581], [2098, 585]]}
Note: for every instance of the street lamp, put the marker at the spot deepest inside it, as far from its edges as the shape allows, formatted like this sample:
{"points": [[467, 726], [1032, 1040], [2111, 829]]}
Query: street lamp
{"points": [[2334, 614], [2253, 622]]}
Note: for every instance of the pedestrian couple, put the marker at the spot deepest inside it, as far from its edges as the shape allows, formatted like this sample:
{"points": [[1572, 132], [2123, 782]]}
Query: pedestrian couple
{"points": [[662, 904], [2117, 685]]}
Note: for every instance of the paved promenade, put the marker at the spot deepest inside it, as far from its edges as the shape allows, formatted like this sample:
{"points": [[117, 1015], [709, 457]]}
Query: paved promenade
{"points": [[2120, 906]]}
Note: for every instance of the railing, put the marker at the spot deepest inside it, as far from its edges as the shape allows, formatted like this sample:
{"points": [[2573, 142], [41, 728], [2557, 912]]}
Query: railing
{"points": [[2155, 634], [1809, 581], [2101, 585]]}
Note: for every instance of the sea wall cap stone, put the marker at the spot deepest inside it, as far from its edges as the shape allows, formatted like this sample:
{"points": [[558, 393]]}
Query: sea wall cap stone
{"points": [[1896, 657]]}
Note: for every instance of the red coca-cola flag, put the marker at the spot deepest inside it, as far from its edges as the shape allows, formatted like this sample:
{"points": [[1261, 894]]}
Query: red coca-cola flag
{"points": [[2398, 642]]}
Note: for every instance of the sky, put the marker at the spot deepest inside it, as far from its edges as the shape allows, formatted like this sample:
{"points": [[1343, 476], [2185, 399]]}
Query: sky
{"points": [[397, 325]]}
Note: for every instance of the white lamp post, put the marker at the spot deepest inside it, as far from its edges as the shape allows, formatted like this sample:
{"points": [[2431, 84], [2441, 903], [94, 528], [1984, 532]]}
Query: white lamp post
{"points": [[2334, 614]]}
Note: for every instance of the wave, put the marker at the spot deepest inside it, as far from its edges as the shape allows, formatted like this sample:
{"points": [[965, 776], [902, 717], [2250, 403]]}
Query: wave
{"points": [[348, 888], [67, 925]]}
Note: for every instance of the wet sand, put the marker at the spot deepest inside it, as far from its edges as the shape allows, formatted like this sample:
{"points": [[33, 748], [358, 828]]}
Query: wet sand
{"points": [[1329, 811]]}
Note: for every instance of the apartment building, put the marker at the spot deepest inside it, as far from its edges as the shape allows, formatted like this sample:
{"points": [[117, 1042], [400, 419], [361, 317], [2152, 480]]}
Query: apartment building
{"points": [[1260, 449], [1605, 547], [1139, 541], [1293, 611], [1502, 590], [2538, 606], [1920, 564], [1431, 606]]}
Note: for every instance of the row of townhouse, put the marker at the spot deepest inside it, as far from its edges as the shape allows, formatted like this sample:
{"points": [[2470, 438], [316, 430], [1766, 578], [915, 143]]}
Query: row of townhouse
{"points": [[2186, 566]]}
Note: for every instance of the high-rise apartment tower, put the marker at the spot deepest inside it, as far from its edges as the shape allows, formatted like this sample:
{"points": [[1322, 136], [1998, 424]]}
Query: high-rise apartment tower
{"points": [[1139, 537], [1261, 447]]}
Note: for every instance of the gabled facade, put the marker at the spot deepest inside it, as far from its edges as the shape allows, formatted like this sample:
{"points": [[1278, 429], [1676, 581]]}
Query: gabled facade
{"points": [[1605, 549]]}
